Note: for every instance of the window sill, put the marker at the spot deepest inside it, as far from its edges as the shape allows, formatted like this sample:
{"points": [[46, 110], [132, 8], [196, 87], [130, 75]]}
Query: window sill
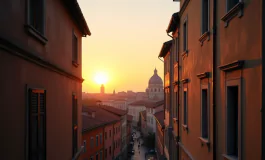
{"points": [[229, 157], [36, 34], [75, 63], [185, 54], [205, 35], [236, 10], [204, 141], [185, 127]]}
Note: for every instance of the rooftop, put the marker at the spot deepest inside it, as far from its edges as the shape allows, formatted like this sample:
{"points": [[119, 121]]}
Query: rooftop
{"points": [[101, 117], [113, 110], [141, 103]]}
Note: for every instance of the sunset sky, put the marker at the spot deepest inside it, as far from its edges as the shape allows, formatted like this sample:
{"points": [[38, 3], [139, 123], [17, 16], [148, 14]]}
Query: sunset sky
{"points": [[127, 36]]}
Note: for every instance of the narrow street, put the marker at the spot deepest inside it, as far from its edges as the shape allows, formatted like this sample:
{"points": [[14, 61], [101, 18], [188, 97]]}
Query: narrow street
{"points": [[139, 152]]}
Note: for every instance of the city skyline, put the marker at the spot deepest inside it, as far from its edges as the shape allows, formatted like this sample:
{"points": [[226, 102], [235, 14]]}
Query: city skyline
{"points": [[129, 32]]}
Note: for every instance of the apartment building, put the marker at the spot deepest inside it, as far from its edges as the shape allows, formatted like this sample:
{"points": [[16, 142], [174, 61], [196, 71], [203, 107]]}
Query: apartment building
{"points": [[100, 134], [213, 80], [41, 79], [123, 120]]}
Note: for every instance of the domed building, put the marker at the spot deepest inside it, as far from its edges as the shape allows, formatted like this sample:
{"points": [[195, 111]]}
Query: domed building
{"points": [[155, 87]]}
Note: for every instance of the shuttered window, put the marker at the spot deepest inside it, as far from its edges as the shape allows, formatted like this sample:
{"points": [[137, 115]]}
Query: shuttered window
{"points": [[37, 124], [74, 124]]}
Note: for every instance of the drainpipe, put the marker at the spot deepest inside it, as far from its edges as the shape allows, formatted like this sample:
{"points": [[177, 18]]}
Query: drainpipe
{"points": [[177, 50], [214, 78], [171, 91], [263, 85]]}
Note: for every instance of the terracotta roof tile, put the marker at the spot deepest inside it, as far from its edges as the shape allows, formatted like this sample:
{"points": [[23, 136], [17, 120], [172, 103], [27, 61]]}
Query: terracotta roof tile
{"points": [[113, 110], [101, 118]]}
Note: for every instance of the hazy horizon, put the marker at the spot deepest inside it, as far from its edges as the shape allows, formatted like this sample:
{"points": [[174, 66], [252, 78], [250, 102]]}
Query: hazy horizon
{"points": [[131, 31]]}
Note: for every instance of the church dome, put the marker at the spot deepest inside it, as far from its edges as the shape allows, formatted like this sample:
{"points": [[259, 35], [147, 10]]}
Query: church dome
{"points": [[155, 79]]}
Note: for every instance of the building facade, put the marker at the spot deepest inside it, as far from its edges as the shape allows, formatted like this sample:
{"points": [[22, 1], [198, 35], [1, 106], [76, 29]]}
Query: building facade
{"points": [[209, 77], [151, 109], [159, 119], [33, 40], [123, 120]]}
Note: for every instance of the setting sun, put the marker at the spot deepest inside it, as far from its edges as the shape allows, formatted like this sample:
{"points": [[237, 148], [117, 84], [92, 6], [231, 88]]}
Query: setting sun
{"points": [[101, 78]]}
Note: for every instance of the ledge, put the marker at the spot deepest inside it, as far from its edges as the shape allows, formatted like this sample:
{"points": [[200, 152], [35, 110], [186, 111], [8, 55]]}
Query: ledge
{"points": [[185, 127], [24, 53], [204, 141], [203, 75], [236, 10], [232, 66], [183, 7], [185, 80], [229, 157], [75, 64], [204, 37], [36, 34], [185, 54], [176, 83]]}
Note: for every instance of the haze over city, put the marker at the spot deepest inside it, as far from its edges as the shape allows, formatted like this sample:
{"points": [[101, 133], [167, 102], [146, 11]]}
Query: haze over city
{"points": [[125, 42]]}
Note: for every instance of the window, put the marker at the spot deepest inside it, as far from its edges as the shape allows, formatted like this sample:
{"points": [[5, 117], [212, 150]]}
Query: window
{"points": [[106, 153], [185, 36], [100, 155], [114, 131], [176, 51], [91, 158], [100, 138], [230, 4], [37, 123], [185, 110], [74, 123], [106, 135], [232, 121], [110, 150], [109, 133], [204, 114], [91, 142], [75, 49], [84, 145], [205, 16], [36, 15], [97, 156], [96, 140]]}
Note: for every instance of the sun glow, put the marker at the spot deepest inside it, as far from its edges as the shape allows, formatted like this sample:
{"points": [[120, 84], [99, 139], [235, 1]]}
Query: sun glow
{"points": [[101, 78]]}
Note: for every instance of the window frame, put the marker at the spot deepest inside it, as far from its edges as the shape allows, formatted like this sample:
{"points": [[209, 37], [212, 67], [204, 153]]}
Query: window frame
{"points": [[28, 119], [205, 30], [74, 124], [185, 115], [185, 34], [227, 8], [75, 56], [32, 31], [91, 142], [231, 83], [207, 88]]}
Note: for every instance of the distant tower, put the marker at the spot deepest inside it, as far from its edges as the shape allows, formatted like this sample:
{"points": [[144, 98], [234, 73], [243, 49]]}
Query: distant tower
{"points": [[114, 92], [102, 89]]}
